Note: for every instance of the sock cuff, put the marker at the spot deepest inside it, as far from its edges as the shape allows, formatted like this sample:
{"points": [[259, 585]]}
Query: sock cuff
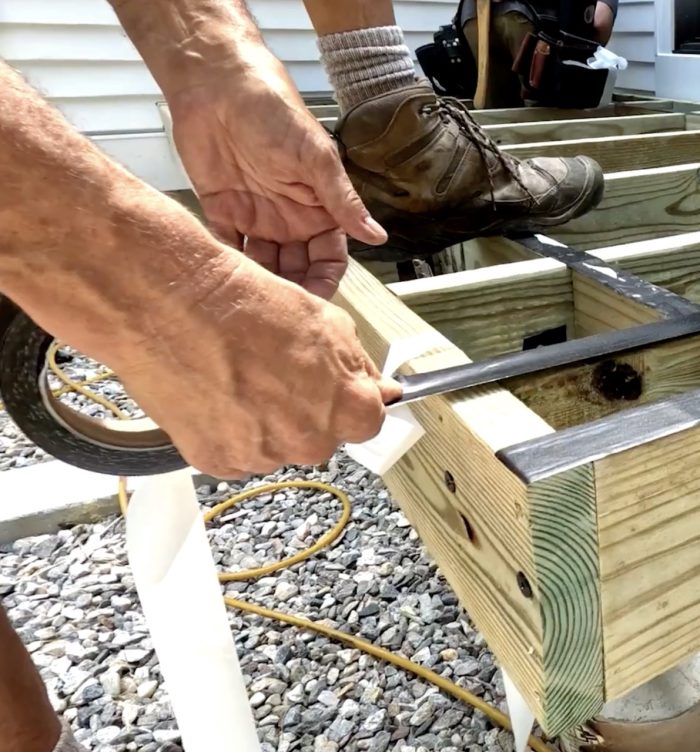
{"points": [[365, 63], [379, 36]]}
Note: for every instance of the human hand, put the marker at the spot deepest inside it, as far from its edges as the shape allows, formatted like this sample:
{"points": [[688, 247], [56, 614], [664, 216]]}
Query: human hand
{"points": [[256, 374], [265, 169]]}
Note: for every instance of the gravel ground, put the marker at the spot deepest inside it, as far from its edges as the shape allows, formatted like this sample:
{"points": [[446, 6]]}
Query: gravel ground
{"points": [[72, 598]]}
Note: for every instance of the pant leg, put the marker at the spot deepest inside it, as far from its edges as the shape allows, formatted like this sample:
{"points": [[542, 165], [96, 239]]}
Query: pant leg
{"points": [[508, 31]]}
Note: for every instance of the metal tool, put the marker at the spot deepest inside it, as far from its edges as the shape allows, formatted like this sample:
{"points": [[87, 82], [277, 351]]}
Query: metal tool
{"points": [[421, 385]]}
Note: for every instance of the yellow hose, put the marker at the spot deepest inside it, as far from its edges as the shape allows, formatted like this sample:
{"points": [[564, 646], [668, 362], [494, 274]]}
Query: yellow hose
{"points": [[334, 634], [74, 386], [495, 715]]}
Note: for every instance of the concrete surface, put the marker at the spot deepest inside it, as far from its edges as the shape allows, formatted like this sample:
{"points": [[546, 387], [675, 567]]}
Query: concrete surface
{"points": [[43, 498]]}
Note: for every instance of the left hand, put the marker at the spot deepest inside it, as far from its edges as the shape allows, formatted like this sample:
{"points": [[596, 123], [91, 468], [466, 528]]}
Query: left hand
{"points": [[266, 171]]}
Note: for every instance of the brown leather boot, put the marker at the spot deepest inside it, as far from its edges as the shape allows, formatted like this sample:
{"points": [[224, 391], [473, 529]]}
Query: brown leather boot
{"points": [[433, 178]]}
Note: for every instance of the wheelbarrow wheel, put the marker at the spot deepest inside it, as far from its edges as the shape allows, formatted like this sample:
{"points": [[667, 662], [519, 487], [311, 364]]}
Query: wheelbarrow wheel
{"points": [[102, 445]]}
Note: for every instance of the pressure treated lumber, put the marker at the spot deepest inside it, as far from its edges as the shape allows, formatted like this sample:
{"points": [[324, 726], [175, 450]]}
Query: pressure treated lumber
{"points": [[574, 395], [584, 128], [692, 121], [620, 153], [639, 205], [581, 393], [646, 598], [649, 527], [493, 309], [647, 489], [497, 309], [324, 110], [554, 655], [530, 114], [562, 511], [510, 116]]}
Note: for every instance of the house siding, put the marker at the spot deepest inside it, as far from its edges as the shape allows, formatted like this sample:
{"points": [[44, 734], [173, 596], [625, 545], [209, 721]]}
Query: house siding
{"points": [[76, 54]]}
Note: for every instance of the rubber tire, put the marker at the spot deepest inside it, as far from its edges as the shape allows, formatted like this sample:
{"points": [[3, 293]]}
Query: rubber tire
{"points": [[22, 358]]}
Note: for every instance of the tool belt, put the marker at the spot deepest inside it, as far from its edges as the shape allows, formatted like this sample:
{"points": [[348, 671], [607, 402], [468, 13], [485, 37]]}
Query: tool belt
{"points": [[551, 64], [448, 62], [553, 70]]}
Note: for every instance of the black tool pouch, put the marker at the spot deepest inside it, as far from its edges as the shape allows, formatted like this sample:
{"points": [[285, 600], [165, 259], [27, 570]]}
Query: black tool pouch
{"points": [[554, 73], [448, 62]]}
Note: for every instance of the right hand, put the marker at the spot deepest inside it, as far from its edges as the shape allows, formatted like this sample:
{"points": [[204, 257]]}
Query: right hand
{"points": [[292, 196], [255, 374]]}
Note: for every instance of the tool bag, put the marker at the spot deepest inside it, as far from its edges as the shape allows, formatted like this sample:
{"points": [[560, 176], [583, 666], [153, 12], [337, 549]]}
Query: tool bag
{"points": [[448, 63], [551, 64]]}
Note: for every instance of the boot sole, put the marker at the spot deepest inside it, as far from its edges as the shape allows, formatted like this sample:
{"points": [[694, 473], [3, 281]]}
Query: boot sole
{"points": [[421, 235]]}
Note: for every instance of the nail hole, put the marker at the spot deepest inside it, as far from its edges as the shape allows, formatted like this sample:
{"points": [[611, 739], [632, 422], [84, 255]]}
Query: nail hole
{"points": [[524, 585], [468, 529], [450, 482]]}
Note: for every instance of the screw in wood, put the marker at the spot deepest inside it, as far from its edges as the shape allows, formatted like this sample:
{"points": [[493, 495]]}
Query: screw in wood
{"points": [[450, 482]]}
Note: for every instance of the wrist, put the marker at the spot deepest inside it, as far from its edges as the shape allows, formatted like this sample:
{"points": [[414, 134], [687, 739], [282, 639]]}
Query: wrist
{"points": [[183, 41]]}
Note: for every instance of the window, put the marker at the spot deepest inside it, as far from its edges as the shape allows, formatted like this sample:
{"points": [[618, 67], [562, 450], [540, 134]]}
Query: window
{"points": [[687, 18]]}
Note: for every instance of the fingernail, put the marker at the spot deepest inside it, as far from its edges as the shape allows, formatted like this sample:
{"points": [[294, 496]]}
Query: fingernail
{"points": [[375, 228]]}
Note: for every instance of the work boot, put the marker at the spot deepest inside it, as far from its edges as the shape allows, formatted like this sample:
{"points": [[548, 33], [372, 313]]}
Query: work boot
{"points": [[433, 178]]}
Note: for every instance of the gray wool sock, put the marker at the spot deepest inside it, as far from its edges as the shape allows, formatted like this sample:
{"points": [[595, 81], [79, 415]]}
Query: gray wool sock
{"points": [[364, 63]]}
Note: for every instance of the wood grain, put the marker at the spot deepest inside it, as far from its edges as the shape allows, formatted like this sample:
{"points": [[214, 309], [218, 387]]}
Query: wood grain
{"points": [[491, 310], [638, 205], [584, 128], [463, 432], [620, 153], [649, 529], [565, 546], [510, 525], [671, 262], [573, 395]]}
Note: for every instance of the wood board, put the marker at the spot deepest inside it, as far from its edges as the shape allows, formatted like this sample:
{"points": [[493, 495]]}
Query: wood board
{"points": [[571, 536]]}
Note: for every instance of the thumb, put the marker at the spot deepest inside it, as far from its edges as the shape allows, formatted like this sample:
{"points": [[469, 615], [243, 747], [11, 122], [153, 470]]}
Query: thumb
{"points": [[342, 202]]}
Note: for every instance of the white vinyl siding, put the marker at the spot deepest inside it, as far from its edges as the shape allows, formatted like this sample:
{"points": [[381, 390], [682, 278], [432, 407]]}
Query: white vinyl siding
{"points": [[77, 55], [634, 38]]}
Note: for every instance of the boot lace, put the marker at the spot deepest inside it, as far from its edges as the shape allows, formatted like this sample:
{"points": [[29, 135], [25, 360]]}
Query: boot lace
{"points": [[450, 108]]}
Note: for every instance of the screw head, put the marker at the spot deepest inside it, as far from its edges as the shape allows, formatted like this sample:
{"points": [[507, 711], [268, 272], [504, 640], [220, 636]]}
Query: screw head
{"points": [[450, 482]]}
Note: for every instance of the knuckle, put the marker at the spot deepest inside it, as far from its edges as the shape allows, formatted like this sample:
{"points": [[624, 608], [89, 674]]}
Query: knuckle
{"points": [[363, 414]]}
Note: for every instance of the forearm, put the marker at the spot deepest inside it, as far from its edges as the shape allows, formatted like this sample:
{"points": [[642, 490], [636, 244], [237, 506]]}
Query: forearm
{"points": [[182, 40], [82, 241]]}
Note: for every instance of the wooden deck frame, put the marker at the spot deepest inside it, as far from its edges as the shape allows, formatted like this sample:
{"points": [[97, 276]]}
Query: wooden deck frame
{"points": [[565, 519]]}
